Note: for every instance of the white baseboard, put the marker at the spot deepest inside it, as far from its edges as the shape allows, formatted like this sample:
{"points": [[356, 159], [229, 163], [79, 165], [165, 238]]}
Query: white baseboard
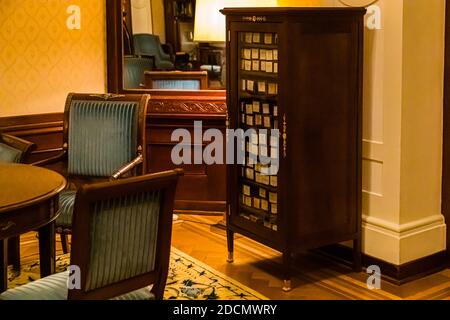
{"points": [[400, 244]]}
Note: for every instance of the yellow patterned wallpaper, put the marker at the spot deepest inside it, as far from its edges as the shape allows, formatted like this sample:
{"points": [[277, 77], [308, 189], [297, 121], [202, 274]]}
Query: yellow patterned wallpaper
{"points": [[41, 60]]}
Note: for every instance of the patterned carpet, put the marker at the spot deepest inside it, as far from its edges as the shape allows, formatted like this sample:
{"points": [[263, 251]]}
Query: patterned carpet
{"points": [[188, 279]]}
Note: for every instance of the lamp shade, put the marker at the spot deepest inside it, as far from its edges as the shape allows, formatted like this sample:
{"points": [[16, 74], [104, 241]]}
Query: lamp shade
{"points": [[210, 23]]}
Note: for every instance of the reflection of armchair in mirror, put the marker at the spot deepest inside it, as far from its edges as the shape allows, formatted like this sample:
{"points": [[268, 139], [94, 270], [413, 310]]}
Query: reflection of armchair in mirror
{"points": [[149, 45], [134, 68]]}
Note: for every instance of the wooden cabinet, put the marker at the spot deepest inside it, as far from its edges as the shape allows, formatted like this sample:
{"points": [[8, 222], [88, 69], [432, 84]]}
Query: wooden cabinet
{"points": [[298, 71]]}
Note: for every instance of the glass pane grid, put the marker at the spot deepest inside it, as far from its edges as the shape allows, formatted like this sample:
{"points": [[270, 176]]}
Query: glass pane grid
{"points": [[258, 110]]}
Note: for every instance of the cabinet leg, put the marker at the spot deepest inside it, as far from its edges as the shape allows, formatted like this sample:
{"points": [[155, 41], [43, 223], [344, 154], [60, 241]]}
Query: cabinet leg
{"points": [[287, 285], [230, 242], [357, 259]]}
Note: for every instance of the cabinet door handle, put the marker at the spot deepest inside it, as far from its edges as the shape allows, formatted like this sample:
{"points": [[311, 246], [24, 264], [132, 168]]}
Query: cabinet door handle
{"points": [[6, 226], [284, 136]]}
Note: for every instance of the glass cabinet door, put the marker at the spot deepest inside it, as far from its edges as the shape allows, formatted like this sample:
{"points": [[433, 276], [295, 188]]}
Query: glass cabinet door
{"points": [[258, 116]]}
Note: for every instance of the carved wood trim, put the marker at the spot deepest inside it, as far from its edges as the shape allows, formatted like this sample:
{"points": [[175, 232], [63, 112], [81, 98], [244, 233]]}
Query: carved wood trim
{"points": [[190, 107]]}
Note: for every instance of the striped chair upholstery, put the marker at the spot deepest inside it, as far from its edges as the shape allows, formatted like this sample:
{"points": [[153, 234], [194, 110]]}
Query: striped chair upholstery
{"points": [[9, 154], [122, 232], [102, 136], [123, 243], [177, 84], [13, 149], [66, 203], [134, 68], [54, 287]]}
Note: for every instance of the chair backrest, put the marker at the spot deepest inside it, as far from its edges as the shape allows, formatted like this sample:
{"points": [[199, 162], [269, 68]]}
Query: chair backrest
{"points": [[150, 45], [103, 132], [13, 149], [122, 235], [176, 84], [134, 68], [186, 80]]}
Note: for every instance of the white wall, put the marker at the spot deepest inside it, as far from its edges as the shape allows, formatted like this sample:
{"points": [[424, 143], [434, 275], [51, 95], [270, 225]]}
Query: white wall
{"points": [[141, 12]]}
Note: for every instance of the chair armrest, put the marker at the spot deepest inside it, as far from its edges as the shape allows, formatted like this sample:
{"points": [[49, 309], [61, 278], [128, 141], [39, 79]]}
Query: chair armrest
{"points": [[18, 143], [58, 158], [167, 52], [127, 168]]}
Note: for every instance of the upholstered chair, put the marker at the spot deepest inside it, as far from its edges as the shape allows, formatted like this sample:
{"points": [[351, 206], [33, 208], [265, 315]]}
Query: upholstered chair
{"points": [[14, 150], [103, 139], [134, 68], [121, 243], [150, 45]]}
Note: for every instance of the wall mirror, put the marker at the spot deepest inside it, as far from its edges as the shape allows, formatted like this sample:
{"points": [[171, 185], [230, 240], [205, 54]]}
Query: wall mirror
{"points": [[152, 46]]}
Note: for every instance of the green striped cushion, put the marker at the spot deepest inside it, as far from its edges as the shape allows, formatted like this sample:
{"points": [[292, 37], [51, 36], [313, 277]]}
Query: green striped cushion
{"points": [[9, 154], [102, 137], [66, 203], [54, 287], [123, 238]]}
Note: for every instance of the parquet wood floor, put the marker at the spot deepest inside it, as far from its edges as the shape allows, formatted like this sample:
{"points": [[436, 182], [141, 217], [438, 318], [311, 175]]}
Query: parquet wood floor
{"points": [[258, 267]]}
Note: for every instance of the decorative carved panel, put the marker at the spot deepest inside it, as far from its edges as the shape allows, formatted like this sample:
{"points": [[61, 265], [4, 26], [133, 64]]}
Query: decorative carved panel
{"points": [[176, 106]]}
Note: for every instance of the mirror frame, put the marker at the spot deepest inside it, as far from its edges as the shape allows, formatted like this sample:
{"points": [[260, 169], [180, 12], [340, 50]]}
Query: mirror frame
{"points": [[114, 40]]}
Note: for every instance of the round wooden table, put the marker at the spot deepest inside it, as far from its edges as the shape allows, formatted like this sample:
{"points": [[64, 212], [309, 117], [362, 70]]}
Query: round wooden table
{"points": [[29, 198]]}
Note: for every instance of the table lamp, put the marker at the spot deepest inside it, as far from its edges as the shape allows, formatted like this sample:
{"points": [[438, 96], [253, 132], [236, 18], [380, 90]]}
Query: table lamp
{"points": [[210, 23], [209, 27]]}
